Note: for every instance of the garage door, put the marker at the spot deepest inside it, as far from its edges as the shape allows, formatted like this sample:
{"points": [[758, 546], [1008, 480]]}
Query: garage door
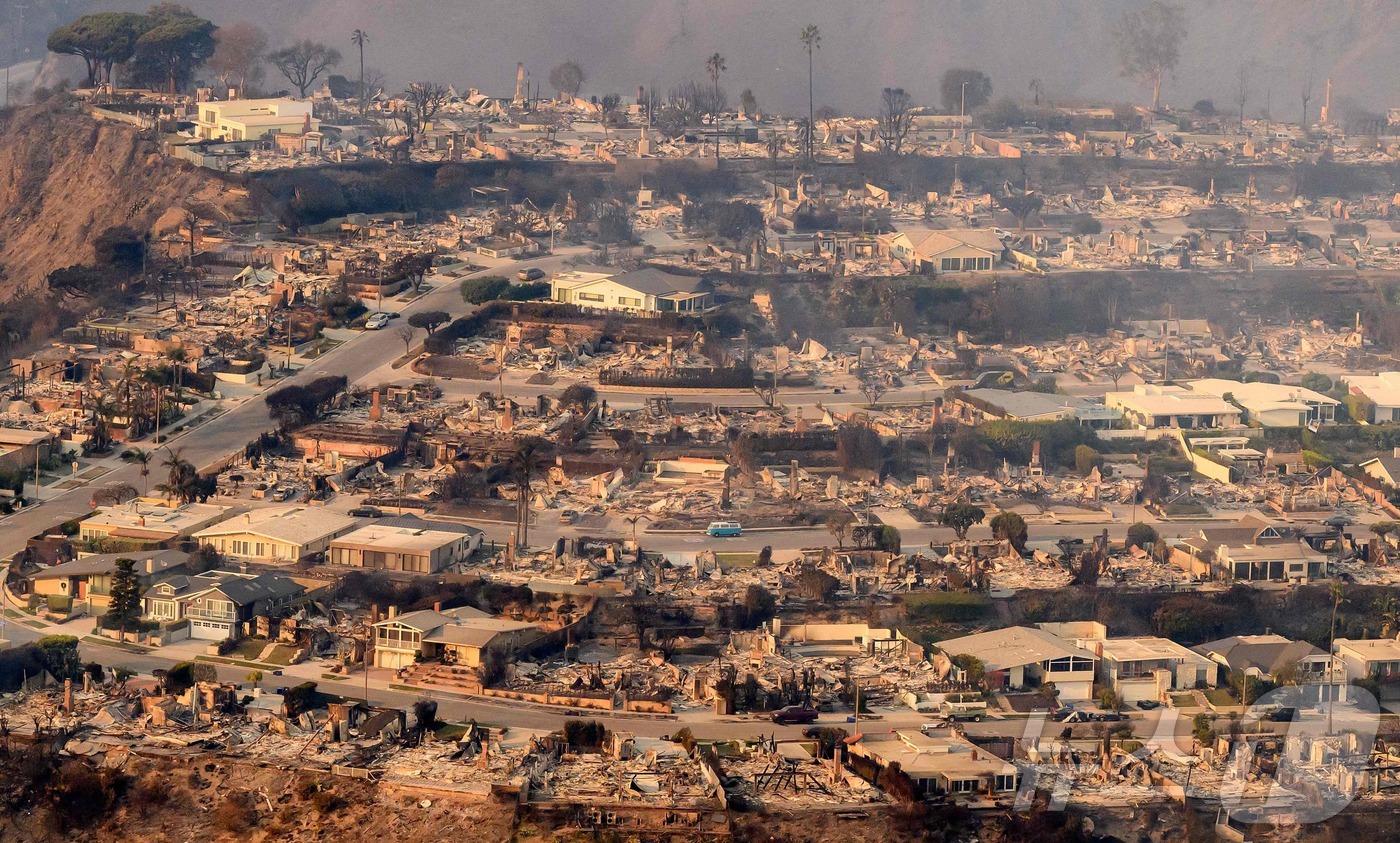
{"points": [[208, 631]]}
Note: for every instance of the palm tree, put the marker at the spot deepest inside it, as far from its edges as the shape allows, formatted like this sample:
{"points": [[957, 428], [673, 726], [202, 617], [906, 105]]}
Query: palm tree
{"points": [[715, 65], [1389, 614], [522, 464], [177, 356], [811, 38], [143, 459], [359, 38], [1037, 88]]}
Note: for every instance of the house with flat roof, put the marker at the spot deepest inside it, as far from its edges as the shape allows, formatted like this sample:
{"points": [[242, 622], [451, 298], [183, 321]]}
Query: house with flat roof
{"points": [[975, 406], [1147, 667], [1272, 404], [1153, 406], [1368, 658], [1382, 390], [1020, 657], [277, 534], [151, 520], [641, 291], [407, 543], [219, 604], [941, 763], [89, 578], [20, 448], [454, 636], [944, 250], [246, 120]]}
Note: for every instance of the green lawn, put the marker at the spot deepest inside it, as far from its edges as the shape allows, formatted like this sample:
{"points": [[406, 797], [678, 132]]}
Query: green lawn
{"points": [[945, 606], [281, 655], [1183, 701], [1220, 696], [248, 649]]}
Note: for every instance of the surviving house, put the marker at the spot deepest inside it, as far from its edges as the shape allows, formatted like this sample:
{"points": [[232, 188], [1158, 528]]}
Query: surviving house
{"points": [[1382, 390], [1020, 657], [277, 534], [1272, 404], [406, 543], [90, 577], [974, 406], [150, 520], [641, 291], [1385, 469], [1152, 406], [219, 604], [940, 250], [940, 764], [1146, 668], [240, 120], [1270, 657], [1368, 658], [19, 448], [1252, 550], [454, 636]]}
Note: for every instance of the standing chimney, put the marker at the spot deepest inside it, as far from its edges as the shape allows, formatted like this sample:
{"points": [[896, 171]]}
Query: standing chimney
{"points": [[792, 481], [375, 413], [519, 82]]}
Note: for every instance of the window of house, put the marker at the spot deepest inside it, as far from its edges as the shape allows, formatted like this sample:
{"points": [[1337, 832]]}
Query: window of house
{"points": [[1006, 782], [962, 786], [240, 548], [595, 297], [629, 301], [949, 265]]}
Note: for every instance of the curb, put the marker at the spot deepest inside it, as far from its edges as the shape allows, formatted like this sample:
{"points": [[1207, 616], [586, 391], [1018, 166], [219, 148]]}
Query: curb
{"points": [[507, 702]]}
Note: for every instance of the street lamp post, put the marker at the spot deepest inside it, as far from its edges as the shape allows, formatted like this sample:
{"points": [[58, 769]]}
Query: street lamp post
{"points": [[962, 116]]}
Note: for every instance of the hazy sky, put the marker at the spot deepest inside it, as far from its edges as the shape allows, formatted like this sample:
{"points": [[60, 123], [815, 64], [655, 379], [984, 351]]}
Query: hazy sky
{"points": [[866, 45]]}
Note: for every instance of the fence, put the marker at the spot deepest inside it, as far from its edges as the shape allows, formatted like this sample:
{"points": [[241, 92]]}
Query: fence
{"points": [[733, 377]]}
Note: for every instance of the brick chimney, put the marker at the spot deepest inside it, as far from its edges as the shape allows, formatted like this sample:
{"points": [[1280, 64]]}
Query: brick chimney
{"points": [[375, 412]]}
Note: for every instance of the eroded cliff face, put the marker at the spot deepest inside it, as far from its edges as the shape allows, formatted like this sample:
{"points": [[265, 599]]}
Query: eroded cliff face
{"points": [[65, 178]]}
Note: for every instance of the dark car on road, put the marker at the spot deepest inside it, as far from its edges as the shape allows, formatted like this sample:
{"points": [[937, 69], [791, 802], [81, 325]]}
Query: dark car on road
{"points": [[366, 512], [1109, 717], [534, 273], [795, 714]]}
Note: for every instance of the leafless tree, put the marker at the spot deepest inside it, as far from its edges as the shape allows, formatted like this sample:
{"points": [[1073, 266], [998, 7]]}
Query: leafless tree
{"points": [[304, 62], [894, 118], [1148, 42], [425, 99], [406, 333], [238, 55]]}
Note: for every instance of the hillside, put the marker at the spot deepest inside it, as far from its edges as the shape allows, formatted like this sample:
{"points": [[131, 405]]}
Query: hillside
{"points": [[67, 178]]}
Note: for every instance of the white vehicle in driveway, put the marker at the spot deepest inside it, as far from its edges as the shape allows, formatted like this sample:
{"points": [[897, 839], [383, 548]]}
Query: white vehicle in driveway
{"points": [[377, 321]]}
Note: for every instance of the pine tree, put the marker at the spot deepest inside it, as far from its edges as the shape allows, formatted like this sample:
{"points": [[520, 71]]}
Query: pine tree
{"points": [[125, 608]]}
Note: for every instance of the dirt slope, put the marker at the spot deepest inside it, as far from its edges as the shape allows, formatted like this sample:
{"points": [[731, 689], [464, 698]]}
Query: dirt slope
{"points": [[65, 178]]}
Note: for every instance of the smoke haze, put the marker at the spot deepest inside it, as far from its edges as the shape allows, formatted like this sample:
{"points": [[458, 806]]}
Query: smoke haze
{"points": [[866, 45]]}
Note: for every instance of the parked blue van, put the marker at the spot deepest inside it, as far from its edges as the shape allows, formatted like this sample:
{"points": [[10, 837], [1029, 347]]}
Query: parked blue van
{"points": [[724, 529]]}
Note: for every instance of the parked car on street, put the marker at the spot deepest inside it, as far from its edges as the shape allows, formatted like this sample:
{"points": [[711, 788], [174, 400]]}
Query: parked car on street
{"points": [[795, 714], [377, 321], [534, 273]]}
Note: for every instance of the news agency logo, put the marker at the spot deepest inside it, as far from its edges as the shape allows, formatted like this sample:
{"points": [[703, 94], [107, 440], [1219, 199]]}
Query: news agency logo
{"points": [[1291, 758]]}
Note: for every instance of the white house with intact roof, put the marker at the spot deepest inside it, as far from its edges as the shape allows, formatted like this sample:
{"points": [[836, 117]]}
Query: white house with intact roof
{"points": [[1152, 406], [1382, 390], [277, 534], [641, 291]]}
